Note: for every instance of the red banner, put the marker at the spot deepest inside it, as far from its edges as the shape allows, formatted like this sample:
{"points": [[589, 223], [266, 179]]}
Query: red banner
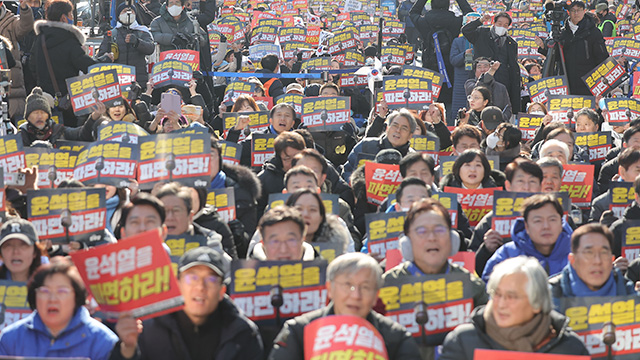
{"points": [[133, 276], [577, 181], [486, 354], [476, 203], [190, 57], [343, 337], [381, 180]]}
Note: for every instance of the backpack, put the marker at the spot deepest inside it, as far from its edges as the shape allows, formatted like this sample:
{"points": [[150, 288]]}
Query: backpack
{"points": [[429, 59]]}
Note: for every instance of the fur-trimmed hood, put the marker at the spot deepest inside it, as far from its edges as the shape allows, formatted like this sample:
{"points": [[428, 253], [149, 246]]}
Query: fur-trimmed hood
{"points": [[7, 42], [245, 178], [41, 24], [334, 231]]}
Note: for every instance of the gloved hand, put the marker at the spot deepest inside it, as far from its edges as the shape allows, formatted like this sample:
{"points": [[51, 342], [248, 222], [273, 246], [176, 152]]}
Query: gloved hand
{"points": [[180, 41]]}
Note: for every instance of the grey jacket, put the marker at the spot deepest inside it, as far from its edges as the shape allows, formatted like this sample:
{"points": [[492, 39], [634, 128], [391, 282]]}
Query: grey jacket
{"points": [[461, 343]]}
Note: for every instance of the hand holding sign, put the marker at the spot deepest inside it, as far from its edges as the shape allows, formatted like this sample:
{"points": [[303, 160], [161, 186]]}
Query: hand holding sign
{"points": [[128, 330]]}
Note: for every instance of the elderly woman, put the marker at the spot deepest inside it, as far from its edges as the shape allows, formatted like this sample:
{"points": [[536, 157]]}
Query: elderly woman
{"points": [[518, 317], [61, 326], [426, 246], [353, 282]]}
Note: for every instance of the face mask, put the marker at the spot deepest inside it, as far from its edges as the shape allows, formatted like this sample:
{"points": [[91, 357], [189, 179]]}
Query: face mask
{"points": [[601, 104], [537, 112], [69, 21], [126, 18], [174, 10], [492, 140], [500, 31]]}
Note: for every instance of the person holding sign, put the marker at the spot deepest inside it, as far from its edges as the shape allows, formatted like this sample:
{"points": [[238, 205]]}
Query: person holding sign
{"points": [[400, 128], [210, 326], [353, 282], [40, 125], [485, 70], [590, 271], [280, 226], [61, 325], [631, 213], [519, 317], [472, 170], [541, 233], [20, 250], [628, 171], [465, 137]]}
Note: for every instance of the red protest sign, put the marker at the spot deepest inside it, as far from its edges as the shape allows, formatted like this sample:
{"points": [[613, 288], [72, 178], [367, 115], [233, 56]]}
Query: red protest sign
{"points": [[133, 276], [190, 57], [485, 354], [381, 181], [466, 259], [577, 181], [476, 203], [343, 336]]}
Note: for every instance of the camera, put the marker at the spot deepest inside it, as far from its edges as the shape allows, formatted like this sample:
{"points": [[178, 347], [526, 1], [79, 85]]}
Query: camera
{"points": [[556, 11]]}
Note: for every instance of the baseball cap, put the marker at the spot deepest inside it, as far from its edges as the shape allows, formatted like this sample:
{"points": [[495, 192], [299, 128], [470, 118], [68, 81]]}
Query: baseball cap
{"points": [[491, 117], [577, 3], [205, 256], [17, 228], [295, 87]]}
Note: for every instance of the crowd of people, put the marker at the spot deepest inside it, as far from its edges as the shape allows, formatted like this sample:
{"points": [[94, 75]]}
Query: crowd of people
{"points": [[517, 282]]}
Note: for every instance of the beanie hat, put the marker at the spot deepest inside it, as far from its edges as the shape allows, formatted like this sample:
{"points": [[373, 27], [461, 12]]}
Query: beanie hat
{"points": [[38, 100], [388, 156], [123, 6]]}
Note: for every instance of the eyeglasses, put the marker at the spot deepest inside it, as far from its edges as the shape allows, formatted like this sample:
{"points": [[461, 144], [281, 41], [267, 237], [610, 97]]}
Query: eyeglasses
{"points": [[60, 293], [591, 254], [363, 289], [193, 279], [508, 297], [437, 231], [175, 211], [402, 128], [288, 243], [469, 98]]}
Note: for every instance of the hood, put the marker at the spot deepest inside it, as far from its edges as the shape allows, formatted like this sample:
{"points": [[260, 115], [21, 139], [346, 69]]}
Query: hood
{"points": [[245, 178], [56, 32], [334, 231], [632, 212], [523, 242], [274, 164]]}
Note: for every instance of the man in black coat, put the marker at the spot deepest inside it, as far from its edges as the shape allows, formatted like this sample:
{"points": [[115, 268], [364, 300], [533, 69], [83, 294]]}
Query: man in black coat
{"points": [[495, 44], [582, 45], [437, 19]]}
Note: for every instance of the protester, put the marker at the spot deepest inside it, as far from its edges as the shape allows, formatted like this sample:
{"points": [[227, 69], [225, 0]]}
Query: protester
{"points": [[478, 100], [280, 226], [494, 43], [20, 250], [590, 271], [210, 326], [461, 53], [631, 213], [465, 137], [485, 71], [628, 170], [353, 282], [504, 142], [519, 317], [61, 326], [143, 213], [540, 233], [472, 170]]}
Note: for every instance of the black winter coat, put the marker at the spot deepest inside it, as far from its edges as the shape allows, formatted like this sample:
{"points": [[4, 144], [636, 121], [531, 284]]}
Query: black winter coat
{"points": [[583, 51], [631, 213], [161, 338], [64, 45], [484, 45], [247, 190], [61, 132], [131, 53], [272, 180], [461, 343], [209, 219]]}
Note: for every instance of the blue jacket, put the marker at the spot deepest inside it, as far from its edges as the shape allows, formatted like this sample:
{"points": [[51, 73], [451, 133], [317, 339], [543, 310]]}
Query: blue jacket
{"points": [[460, 75], [521, 245], [83, 337]]}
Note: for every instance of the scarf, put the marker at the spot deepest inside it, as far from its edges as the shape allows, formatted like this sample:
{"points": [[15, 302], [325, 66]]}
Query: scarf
{"points": [[500, 40], [572, 27], [580, 289], [218, 182], [525, 337], [135, 26]]}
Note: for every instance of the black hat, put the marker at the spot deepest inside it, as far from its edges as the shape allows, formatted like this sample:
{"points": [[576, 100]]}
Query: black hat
{"points": [[17, 228], [205, 256], [37, 100], [123, 6], [491, 117], [577, 3], [389, 156]]}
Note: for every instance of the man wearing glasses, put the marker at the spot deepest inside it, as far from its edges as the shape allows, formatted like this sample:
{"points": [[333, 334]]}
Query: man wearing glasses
{"points": [[485, 70], [210, 326], [582, 46], [590, 271]]}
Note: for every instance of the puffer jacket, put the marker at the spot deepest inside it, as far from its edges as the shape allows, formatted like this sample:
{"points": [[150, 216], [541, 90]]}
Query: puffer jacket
{"points": [[521, 244], [496, 179], [15, 28], [247, 190], [272, 180], [290, 341], [461, 343], [83, 337], [133, 53]]}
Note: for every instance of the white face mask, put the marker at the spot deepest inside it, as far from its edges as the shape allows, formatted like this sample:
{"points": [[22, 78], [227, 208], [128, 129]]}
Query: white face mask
{"points": [[492, 140], [500, 31], [537, 112], [127, 18], [174, 10]]}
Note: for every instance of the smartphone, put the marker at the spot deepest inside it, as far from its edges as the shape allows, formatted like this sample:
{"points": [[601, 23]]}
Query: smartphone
{"points": [[14, 179], [170, 102]]}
